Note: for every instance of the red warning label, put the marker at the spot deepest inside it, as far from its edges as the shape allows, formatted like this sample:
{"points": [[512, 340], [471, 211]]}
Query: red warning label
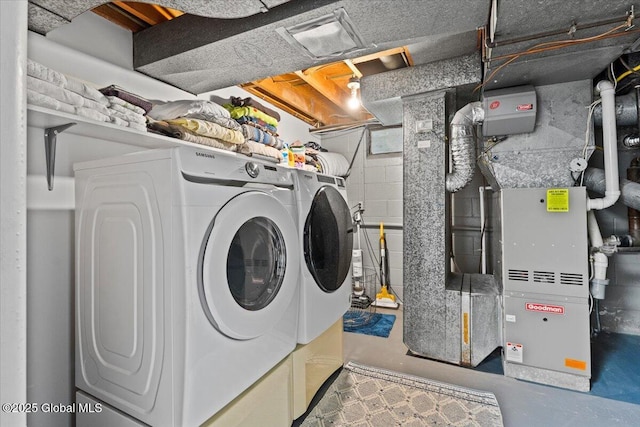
{"points": [[524, 107]]}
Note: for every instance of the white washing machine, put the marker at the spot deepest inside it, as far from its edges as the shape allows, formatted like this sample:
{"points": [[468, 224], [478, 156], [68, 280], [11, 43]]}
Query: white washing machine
{"points": [[187, 271], [326, 238]]}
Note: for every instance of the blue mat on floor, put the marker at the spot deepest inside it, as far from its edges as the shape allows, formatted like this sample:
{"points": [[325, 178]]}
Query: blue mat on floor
{"points": [[615, 371], [376, 324]]}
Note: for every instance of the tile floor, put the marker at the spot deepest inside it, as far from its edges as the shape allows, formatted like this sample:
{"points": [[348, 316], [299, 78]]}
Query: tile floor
{"points": [[522, 403]]}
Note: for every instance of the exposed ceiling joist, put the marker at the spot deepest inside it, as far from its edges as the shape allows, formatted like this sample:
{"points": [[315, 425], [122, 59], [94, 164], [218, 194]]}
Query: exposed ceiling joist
{"points": [[353, 68], [300, 97], [329, 90]]}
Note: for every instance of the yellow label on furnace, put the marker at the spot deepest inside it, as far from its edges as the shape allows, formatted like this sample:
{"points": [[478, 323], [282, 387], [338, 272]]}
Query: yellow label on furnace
{"points": [[558, 200]]}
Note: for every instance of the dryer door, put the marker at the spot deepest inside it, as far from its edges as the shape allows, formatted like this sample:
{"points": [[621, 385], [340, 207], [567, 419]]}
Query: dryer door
{"points": [[328, 239], [248, 265]]}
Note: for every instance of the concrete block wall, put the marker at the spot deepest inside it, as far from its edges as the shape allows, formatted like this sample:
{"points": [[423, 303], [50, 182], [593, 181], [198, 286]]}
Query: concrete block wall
{"points": [[376, 182]]}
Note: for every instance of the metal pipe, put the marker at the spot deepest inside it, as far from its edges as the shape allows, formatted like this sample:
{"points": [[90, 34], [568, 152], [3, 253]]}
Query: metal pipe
{"points": [[483, 231], [631, 141], [609, 145], [594, 180], [626, 108], [463, 149]]}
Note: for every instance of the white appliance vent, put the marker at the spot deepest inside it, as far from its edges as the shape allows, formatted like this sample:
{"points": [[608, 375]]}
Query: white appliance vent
{"points": [[571, 279], [519, 275], [544, 277]]}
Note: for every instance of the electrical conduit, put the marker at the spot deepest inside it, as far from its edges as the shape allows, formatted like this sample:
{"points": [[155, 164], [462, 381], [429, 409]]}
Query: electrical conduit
{"points": [[609, 145]]}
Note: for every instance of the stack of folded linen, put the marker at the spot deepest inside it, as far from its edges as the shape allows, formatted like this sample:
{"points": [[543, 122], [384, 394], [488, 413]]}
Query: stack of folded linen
{"points": [[51, 89], [126, 108], [199, 121], [123, 113], [259, 123]]}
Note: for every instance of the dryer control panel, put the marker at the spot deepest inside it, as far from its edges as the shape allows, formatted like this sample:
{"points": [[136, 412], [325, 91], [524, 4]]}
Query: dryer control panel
{"points": [[214, 167]]}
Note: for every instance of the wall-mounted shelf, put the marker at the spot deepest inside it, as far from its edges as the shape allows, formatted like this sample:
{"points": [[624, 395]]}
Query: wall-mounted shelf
{"points": [[45, 118], [54, 122]]}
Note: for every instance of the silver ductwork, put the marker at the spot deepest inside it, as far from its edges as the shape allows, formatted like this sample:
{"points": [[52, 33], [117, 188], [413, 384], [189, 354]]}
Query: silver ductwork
{"points": [[463, 149], [594, 180]]}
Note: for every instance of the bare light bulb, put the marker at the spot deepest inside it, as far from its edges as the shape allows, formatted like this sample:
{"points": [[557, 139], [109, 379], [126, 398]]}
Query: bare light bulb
{"points": [[353, 102], [354, 84]]}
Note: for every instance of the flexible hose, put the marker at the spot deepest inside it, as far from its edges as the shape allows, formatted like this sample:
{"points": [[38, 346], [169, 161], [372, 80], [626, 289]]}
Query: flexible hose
{"points": [[463, 150]]}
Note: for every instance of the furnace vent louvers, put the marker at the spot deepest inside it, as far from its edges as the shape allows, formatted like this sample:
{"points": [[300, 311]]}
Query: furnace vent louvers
{"points": [[571, 279], [325, 37], [544, 277], [548, 277], [519, 275]]}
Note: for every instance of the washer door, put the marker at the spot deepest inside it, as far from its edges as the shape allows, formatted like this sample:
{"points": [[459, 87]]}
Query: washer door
{"points": [[328, 239], [248, 266]]}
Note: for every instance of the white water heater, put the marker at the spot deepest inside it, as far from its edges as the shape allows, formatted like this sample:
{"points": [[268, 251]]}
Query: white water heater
{"points": [[545, 274]]}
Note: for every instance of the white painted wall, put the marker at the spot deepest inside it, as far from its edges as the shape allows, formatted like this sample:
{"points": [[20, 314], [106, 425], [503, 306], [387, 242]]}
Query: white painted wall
{"points": [[13, 216], [108, 41], [376, 182]]}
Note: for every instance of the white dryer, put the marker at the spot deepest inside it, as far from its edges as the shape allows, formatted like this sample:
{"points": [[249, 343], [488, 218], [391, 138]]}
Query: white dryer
{"points": [[187, 267], [326, 237]]}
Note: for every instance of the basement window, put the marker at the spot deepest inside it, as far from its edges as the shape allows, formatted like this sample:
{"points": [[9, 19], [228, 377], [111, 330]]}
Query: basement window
{"points": [[385, 140], [324, 37]]}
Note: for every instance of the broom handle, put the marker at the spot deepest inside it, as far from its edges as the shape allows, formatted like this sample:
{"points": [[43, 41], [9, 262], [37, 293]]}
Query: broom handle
{"points": [[383, 278]]}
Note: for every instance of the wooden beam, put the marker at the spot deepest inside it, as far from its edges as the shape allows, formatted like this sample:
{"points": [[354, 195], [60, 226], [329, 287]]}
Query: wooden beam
{"points": [[353, 68], [118, 16], [144, 11], [329, 90], [377, 55], [303, 98]]}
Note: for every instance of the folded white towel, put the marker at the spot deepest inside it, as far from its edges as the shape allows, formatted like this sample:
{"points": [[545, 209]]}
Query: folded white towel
{"points": [[89, 103], [39, 71], [126, 114], [196, 109], [55, 92], [118, 121], [92, 114], [264, 150], [138, 126], [86, 91], [333, 164], [36, 98], [114, 100]]}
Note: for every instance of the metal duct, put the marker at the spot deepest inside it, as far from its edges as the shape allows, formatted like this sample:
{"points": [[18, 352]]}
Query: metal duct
{"points": [[594, 180], [463, 149], [626, 110]]}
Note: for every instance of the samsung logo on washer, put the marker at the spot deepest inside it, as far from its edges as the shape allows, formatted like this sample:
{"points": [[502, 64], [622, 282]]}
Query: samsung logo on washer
{"points": [[211, 156]]}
